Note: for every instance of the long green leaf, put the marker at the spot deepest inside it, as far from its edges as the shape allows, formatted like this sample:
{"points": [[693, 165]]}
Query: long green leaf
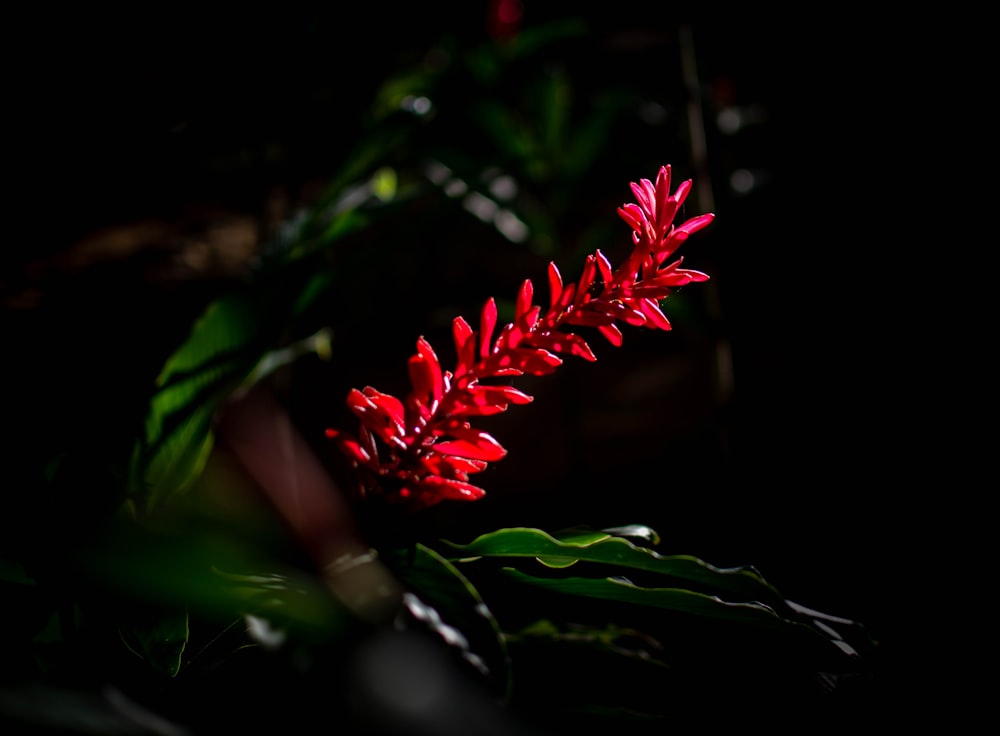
{"points": [[673, 599], [607, 549]]}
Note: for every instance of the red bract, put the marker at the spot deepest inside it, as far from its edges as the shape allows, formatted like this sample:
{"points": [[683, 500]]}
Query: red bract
{"points": [[429, 449]]}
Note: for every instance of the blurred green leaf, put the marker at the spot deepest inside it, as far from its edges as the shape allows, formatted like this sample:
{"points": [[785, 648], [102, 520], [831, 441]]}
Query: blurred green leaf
{"points": [[207, 569], [217, 356]]}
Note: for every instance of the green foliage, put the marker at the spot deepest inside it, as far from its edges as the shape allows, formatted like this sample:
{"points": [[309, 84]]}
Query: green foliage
{"points": [[573, 597]]}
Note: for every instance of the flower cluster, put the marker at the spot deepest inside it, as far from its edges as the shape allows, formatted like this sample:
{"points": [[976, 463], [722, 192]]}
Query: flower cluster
{"points": [[429, 447]]}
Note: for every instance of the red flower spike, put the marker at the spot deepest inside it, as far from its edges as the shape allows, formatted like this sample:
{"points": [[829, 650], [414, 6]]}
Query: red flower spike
{"points": [[431, 446]]}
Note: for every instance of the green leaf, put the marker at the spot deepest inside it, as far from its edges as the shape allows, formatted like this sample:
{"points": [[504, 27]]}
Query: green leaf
{"points": [[217, 356], [674, 599], [448, 603], [286, 604], [610, 670], [158, 635], [211, 570], [607, 549], [318, 343], [226, 351], [632, 582], [235, 343]]}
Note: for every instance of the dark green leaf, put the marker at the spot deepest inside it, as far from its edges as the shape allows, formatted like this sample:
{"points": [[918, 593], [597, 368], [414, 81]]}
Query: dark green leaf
{"points": [[674, 599], [457, 607], [216, 357], [158, 635]]}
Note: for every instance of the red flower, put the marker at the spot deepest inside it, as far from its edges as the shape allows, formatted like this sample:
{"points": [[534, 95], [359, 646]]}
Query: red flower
{"points": [[429, 447]]}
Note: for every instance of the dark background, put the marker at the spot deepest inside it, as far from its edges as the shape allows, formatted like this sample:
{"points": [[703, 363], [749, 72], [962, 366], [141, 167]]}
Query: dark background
{"points": [[775, 426]]}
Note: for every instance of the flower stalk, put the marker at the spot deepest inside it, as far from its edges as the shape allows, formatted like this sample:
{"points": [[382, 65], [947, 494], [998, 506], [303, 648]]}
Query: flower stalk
{"points": [[429, 448]]}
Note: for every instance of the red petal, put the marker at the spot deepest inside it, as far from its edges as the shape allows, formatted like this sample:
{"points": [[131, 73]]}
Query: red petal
{"points": [[465, 345], [670, 276], [536, 361], [603, 267], [564, 342], [645, 194], [531, 318], [630, 315], [367, 441], [487, 323], [565, 298], [425, 374], [357, 399], [652, 311], [484, 409], [481, 394], [665, 208], [612, 333], [449, 489], [593, 315], [450, 466], [474, 444], [385, 402], [696, 223], [647, 289], [633, 216], [376, 417], [501, 372], [555, 284], [523, 304], [349, 446], [682, 192], [606, 311], [665, 216], [678, 235], [586, 279], [663, 180]]}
